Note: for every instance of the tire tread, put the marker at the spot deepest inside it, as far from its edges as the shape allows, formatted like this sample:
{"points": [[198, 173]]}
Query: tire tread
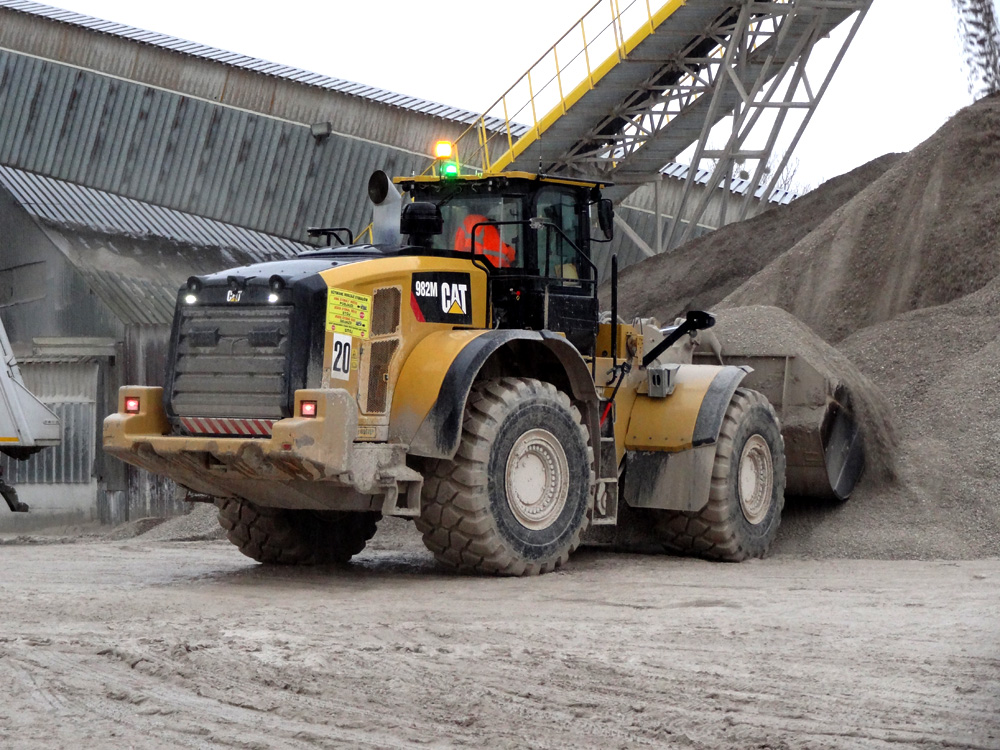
{"points": [[455, 525], [713, 532], [286, 537]]}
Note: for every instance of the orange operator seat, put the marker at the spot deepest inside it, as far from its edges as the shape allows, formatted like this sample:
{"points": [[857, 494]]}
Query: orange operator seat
{"points": [[488, 242]]}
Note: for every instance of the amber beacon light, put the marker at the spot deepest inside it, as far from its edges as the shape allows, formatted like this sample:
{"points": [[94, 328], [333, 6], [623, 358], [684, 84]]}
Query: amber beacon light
{"points": [[447, 159]]}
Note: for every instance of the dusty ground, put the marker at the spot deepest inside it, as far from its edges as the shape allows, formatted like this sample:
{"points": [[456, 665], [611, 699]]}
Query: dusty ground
{"points": [[146, 643]]}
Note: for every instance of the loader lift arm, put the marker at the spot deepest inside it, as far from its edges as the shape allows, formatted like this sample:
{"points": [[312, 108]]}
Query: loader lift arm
{"points": [[696, 320]]}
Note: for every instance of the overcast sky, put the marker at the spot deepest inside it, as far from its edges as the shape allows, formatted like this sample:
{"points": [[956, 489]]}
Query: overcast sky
{"points": [[901, 80]]}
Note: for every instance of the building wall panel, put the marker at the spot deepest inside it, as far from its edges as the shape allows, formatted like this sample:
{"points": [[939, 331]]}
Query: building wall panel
{"points": [[182, 153], [227, 78]]}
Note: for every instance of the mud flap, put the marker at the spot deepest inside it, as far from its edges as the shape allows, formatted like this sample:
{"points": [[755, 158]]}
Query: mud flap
{"points": [[669, 481]]}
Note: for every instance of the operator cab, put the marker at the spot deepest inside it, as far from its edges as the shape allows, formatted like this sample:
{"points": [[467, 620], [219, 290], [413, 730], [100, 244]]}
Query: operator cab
{"points": [[530, 233]]}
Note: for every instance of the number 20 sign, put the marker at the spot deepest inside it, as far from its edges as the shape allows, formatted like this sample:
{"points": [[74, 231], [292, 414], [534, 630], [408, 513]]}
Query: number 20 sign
{"points": [[340, 367]]}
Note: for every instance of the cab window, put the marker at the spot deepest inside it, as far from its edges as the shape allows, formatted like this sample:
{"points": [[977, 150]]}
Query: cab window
{"points": [[467, 227]]}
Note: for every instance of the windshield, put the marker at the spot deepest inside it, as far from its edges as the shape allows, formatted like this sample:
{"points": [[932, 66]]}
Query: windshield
{"points": [[468, 215]]}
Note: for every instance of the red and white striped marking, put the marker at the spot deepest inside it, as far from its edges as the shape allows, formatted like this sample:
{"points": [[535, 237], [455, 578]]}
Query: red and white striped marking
{"points": [[238, 427]]}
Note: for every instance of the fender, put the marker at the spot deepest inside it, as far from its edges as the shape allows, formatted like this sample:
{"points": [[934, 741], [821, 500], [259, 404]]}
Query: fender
{"points": [[688, 418], [434, 384], [670, 441]]}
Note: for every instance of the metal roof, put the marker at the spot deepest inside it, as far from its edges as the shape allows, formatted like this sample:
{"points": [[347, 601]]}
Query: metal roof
{"points": [[66, 204], [132, 298], [137, 278], [737, 185], [263, 67], [134, 256]]}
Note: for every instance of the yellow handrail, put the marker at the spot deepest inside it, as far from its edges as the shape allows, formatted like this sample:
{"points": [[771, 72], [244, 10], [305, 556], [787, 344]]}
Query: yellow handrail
{"points": [[562, 84]]}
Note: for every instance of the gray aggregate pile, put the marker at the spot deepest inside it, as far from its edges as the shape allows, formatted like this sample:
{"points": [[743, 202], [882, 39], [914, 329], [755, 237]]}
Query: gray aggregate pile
{"points": [[892, 272]]}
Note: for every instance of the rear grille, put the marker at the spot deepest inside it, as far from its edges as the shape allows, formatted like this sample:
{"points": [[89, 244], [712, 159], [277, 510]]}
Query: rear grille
{"points": [[231, 362], [385, 315]]}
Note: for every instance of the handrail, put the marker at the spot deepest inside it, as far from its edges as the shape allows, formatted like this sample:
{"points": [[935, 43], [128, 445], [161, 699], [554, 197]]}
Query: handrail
{"points": [[369, 230], [558, 79]]}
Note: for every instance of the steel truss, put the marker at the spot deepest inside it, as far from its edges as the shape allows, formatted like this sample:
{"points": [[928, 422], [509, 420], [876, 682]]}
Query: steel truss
{"points": [[757, 76], [747, 63]]}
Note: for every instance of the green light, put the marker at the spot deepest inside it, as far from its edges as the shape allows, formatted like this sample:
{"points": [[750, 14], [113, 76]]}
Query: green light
{"points": [[448, 169]]}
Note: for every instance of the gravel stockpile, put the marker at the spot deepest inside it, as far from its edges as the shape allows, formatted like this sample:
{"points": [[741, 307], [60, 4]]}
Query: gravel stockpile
{"points": [[201, 523], [702, 272], [923, 234], [902, 276]]}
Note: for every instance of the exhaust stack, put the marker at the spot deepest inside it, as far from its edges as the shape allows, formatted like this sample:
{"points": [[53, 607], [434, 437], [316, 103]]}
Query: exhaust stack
{"points": [[387, 204]]}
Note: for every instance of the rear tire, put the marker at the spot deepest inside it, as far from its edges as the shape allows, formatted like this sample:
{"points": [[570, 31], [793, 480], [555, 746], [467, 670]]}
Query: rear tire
{"points": [[295, 537], [518, 495], [748, 489]]}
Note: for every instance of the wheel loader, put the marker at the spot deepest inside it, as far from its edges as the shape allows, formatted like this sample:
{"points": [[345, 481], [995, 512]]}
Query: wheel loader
{"points": [[455, 370]]}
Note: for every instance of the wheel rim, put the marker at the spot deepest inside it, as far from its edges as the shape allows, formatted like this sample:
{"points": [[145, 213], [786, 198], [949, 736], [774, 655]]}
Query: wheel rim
{"points": [[537, 479], [756, 479]]}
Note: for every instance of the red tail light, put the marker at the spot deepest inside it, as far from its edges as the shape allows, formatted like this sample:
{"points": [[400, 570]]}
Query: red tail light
{"points": [[307, 408], [132, 405]]}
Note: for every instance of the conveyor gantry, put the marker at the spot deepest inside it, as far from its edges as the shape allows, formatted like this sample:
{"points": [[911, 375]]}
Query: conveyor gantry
{"points": [[629, 88]]}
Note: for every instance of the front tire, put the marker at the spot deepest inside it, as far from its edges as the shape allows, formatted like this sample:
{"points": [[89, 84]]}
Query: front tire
{"points": [[518, 495], [295, 537], [747, 493]]}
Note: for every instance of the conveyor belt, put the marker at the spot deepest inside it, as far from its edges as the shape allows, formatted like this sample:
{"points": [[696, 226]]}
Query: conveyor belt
{"points": [[624, 118]]}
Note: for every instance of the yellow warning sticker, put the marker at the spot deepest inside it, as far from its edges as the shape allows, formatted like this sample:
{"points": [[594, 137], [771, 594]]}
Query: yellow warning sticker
{"points": [[348, 313]]}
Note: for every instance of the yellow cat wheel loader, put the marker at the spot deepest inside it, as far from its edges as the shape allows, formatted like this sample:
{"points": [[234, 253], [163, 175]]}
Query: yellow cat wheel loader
{"points": [[457, 371]]}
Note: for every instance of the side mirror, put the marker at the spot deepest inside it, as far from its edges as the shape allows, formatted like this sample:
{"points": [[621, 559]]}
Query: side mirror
{"points": [[606, 217]]}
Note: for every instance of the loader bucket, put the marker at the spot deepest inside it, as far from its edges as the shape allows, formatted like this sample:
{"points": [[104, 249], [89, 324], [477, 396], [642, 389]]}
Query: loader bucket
{"points": [[824, 444]]}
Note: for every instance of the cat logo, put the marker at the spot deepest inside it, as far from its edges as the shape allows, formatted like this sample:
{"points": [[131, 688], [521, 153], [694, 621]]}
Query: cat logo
{"points": [[232, 296], [453, 298], [441, 297]]}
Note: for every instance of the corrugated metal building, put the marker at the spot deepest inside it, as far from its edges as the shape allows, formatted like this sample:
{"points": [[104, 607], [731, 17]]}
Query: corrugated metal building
{"points": [[87, 285], [207, 132]]}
